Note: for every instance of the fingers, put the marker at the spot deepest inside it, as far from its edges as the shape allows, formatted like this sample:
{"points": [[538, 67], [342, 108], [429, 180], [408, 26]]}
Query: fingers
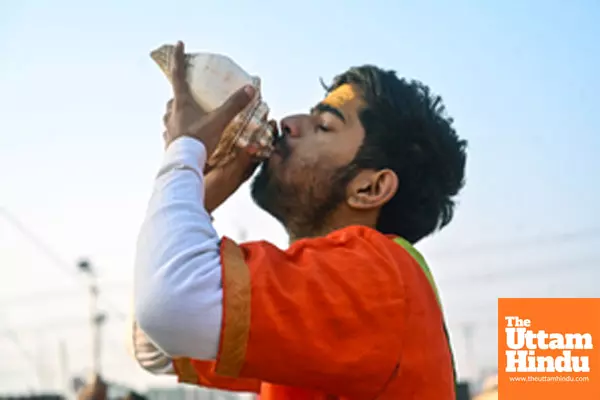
{"points": [[218, 120], [178, 73]]}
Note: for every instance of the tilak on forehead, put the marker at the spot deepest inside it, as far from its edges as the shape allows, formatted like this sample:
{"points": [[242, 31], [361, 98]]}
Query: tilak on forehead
{"points": [[341, 95]]}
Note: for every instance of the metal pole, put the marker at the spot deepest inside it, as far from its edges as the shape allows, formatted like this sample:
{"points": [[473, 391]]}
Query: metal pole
{"points": [[95, 325], [96, 317]]}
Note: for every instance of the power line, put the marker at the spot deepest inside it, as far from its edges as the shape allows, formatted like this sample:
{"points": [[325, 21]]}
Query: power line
{"points": [[57, 324], [52, 255], [518, 243], [42, 247], [14, 338], [29, 358], [56, 294], [517, 271]]}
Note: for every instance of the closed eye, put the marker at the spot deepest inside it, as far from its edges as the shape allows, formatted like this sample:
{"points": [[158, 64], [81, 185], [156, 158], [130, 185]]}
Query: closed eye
{"points": [[323, 127], [322, 108]]}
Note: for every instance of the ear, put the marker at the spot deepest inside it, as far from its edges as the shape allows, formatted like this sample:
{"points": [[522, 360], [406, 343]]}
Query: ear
{"points": [[371, 189]]}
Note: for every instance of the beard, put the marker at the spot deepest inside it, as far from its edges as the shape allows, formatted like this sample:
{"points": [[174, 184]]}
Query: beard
{"points": [[301, 197]]}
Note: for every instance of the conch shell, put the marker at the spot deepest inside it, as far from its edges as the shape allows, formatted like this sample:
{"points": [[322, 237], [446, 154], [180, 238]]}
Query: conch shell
{"points": [[212, 78]]}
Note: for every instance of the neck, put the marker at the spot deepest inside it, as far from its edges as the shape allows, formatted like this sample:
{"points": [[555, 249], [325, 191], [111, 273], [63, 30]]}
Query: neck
{"points": [[333, 224]]}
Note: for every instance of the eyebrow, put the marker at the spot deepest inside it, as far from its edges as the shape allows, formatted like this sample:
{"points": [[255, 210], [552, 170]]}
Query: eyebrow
{"points": [[326, 108]]}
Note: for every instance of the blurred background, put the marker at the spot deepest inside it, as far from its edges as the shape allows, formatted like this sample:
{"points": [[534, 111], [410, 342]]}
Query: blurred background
{"points": [[81, 106]]}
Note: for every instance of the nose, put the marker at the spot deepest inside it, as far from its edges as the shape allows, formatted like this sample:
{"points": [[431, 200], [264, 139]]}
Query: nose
{"points": [[294, 125]]}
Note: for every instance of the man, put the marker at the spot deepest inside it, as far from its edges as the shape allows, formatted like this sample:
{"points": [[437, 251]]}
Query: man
{"points": [[349, 310]]}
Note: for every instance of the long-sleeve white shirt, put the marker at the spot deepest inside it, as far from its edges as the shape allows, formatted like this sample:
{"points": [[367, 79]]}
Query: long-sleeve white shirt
{"points": [[178, 290]]}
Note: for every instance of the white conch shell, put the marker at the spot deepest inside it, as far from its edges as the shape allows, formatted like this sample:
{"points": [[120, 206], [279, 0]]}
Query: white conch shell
{"points": [[248, 128]]}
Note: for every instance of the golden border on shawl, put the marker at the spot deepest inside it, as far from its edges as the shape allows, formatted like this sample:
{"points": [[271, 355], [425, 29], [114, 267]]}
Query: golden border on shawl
{"points": [[185, 370], [236, 310]]}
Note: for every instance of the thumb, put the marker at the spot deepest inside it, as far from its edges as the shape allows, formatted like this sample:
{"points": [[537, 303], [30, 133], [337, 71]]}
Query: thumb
{"points": [[222, 116]]}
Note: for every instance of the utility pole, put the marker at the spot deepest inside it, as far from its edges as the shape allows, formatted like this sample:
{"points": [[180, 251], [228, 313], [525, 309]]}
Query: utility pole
{"points": [[97, 318]]}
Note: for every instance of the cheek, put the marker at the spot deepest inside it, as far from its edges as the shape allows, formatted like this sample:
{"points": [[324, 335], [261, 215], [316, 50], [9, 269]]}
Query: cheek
{"points": [[335, 149], [346, 152], [311, 162], [316, 153], [308, 158], [297, 170], [308, 171]]}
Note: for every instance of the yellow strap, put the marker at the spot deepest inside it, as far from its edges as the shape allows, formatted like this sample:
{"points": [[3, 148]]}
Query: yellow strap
{"points": [[414, 253], [424, 267]]}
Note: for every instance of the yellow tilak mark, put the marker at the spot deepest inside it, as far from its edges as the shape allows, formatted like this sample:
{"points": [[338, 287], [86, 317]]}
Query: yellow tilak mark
{"points": [[341, 95]]}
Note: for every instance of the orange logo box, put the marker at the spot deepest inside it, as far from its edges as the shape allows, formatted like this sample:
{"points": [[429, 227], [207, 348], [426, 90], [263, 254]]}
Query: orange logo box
{"points": [[548, 349]]}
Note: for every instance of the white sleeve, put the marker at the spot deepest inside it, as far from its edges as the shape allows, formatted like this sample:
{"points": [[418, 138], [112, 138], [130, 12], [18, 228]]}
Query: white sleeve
{"points": [[178, 290]]}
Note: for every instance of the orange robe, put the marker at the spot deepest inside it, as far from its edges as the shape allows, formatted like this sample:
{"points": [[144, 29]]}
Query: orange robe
{"points": [[351, 315]]}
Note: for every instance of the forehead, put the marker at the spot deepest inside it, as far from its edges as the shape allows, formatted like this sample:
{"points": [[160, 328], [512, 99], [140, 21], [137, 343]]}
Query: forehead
{"points": [[348, 101], [341, 96]]}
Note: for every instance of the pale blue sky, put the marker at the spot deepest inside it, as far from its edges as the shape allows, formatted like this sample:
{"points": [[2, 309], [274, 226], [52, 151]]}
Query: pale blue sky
{"points": [[81, 105]]}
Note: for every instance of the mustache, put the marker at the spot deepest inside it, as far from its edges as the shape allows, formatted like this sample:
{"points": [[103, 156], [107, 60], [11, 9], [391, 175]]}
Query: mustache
{"points": [[282, 146]]}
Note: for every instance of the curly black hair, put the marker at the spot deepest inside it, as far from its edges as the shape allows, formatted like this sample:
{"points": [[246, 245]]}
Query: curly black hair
{"points": [[407, 131]]}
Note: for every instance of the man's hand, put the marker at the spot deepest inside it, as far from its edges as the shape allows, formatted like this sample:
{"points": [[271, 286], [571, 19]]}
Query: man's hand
{"points": [[186, 118], [220, 182]]}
